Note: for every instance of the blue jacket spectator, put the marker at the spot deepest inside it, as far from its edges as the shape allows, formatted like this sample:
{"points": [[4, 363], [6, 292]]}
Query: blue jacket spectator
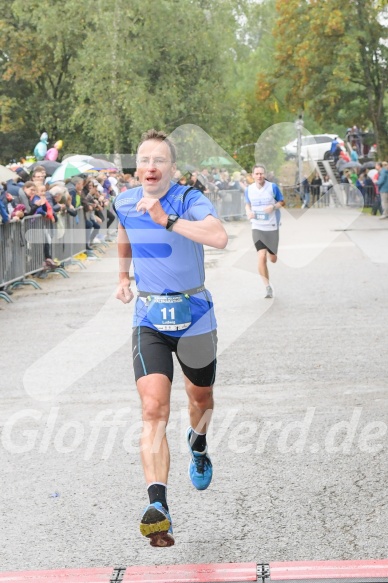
{"points": [[3, 212], [13, 187], [382, 181], [334, 145]]}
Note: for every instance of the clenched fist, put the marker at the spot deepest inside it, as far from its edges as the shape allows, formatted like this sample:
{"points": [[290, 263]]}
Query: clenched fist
{"points": [[124, 292]]}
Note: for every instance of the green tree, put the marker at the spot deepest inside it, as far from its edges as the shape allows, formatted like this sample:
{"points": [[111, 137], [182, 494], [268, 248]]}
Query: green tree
{"points": [[260, 108], [38, 49], [97, 73], [141, 68], [332, 61]]}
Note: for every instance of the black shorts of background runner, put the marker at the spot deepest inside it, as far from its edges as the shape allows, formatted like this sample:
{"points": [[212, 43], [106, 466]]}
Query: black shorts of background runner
{"points": [[266, 240], [152, 353]]}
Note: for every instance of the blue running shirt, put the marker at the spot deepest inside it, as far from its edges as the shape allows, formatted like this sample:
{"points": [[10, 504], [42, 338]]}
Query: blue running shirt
{"points": [[163, 261]]}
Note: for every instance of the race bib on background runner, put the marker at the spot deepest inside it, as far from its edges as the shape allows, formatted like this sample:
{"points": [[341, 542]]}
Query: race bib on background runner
{"points": [[262, 216]]}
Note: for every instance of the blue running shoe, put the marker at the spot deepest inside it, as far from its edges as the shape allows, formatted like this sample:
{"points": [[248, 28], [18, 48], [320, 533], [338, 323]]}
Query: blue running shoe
{"points": [[200, 467], [156, 525]]}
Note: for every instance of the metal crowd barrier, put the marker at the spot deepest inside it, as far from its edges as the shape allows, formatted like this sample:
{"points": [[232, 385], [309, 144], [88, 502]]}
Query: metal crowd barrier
{"points": [[231, 203], [33, 227], [228, 203], [65, 238], [322, 196], [22, 246], [12, 252], [62, 243], [292, 197], [371, 198], [70, 236]]}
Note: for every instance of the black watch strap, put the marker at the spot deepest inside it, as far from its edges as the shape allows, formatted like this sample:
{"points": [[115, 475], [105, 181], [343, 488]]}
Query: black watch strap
{"points": [[172, 219]]}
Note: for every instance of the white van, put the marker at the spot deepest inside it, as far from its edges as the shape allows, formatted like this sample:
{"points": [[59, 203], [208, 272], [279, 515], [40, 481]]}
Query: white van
{"points": [[313, 147]]}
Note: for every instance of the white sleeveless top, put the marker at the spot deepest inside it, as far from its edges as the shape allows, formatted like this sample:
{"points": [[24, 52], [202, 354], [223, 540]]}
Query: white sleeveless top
{"points": [[260, 198]]}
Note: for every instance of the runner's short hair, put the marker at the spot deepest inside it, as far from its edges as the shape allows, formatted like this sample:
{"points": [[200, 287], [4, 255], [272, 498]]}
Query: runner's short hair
{"points": [[159, 137], [259, 166]]}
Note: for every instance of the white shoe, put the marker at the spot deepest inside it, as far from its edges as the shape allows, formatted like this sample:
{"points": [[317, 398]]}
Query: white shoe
{"points": [[269, 292], [383, 217]]}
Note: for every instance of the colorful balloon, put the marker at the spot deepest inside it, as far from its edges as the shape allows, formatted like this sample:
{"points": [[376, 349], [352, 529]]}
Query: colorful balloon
{"points": [[40, 151], [41, 147], [52, 154], [58, 145]]}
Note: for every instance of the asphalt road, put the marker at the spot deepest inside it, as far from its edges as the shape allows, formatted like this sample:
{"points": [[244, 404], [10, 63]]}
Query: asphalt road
{"points": [[299, 439]]}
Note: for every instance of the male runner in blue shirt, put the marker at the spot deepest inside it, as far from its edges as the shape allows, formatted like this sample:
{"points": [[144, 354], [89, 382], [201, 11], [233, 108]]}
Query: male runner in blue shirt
{"points": [[163, 227]]}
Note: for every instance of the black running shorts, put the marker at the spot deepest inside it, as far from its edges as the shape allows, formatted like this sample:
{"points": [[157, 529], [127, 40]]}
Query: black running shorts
{"points": [[152, 353], [266, 240]]}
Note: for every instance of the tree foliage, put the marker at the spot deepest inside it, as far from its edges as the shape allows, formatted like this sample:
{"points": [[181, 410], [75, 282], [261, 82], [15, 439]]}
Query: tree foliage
{"points": [[97, 73], [255, 60], [38, 48], [332, 60]]}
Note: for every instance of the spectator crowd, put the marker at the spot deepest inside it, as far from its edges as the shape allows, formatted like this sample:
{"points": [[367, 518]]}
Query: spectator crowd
{"points": [[32, 193], [371, 182]]}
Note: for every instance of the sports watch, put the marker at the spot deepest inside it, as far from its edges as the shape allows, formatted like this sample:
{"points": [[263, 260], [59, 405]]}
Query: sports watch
{"points": [[171, 220]]}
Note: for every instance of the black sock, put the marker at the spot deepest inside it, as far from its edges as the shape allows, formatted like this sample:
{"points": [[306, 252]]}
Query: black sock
{"points": [[157, 493], [197, 441]]}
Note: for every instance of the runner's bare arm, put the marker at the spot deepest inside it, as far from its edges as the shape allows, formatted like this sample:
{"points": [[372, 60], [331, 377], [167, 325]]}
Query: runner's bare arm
{"points": [[209, 231], [124, 292], [248, 210]]}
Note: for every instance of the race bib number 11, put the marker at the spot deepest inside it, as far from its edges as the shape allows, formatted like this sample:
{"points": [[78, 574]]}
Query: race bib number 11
{"points": [[169, 312]]}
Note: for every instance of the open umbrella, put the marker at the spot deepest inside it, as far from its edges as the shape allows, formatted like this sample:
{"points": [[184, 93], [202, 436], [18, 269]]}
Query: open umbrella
{"points": [[68, 170], [7, 174], [96, 163], [352, 164], [217, 161], [100, 164], [368, 165], [75, 158], [189, 167], [49, 165]]}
